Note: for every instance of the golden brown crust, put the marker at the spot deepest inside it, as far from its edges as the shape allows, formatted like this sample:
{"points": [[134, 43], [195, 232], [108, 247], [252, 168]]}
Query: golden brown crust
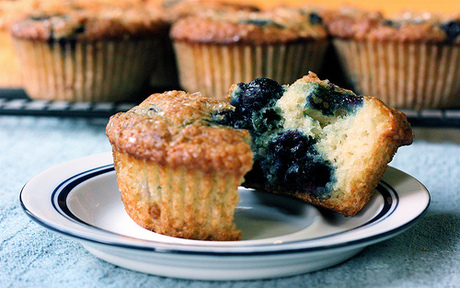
{"points": [[173, 129], [392, 131], [363, 25], [175, 10], [88, 21], [280, 25]]}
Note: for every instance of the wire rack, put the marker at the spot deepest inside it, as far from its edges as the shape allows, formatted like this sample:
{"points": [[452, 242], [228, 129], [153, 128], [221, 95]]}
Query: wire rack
{"points": [[17, 103]]}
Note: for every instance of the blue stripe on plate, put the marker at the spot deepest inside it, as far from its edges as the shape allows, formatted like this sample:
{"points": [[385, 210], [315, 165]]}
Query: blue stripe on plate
{"points": [[61, 192]]}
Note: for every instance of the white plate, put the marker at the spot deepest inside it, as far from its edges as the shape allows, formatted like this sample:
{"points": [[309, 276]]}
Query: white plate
{"points": [[281, 236]]}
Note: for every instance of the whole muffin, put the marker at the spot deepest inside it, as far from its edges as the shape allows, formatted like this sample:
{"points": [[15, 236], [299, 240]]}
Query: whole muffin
{"points": [[165, 75], [218, 49], [88, 51], [178, 173], [409, 61]]}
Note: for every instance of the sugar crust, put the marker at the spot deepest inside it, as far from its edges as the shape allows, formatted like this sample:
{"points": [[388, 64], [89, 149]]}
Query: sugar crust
{"points": [[283, 25], [87, 20], [177, 132], [405, 27]]}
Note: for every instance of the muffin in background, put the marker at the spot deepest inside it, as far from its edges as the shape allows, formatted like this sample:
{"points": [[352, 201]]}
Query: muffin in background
{"points": [[87, 51], [178, 173], [10, 75], [216, 49], [409, 61], [165, 73]]}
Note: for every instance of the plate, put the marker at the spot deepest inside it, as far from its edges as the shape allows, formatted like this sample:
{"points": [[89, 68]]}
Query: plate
{"points": [[281, 236]]}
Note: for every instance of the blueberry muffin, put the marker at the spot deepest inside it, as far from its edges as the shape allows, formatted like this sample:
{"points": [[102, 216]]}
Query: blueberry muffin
{"points": [[315, 141], [410, 61], [87, 51], [165, 75], [177, 171], [217, 49]]}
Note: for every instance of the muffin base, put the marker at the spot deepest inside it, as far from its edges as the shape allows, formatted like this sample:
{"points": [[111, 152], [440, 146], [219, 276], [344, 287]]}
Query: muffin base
{"points": [[89, 72], [403, 75], [212, 68], [176, 201], [10, 75]]}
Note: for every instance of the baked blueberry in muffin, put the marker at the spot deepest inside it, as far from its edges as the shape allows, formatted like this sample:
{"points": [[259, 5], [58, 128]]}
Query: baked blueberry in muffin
{"points": [[452, 30], [315, 141]]}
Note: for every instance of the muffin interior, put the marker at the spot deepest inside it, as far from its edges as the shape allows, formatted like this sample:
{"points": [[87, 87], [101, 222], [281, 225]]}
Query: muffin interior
{"points": [[315, 140]]}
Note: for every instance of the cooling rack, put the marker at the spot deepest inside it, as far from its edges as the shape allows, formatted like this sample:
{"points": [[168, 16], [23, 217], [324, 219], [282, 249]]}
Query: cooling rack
{"points": [[15, 102]]}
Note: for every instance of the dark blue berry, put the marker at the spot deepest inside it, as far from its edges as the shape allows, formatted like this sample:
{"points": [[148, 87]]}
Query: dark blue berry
{"points": [[292, 163], [315, 19], [254, 106], [39, 17], [329, 98], [452, 30], [258, 93], [262, 22]]}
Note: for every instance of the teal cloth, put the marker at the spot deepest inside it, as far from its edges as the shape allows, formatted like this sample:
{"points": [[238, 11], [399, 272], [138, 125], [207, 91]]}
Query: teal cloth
{"points": [[427, 255]]}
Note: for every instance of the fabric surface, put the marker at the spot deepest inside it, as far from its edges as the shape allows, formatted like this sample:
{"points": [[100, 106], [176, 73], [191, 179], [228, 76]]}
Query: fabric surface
{"points": [[427, 255]]}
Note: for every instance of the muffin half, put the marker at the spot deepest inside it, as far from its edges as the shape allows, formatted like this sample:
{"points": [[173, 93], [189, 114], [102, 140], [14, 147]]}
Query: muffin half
{"points": [[315, 141]]}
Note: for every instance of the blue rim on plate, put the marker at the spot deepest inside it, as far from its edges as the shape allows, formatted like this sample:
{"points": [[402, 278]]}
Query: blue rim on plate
{"points": [[399, 202], [58, 199]]}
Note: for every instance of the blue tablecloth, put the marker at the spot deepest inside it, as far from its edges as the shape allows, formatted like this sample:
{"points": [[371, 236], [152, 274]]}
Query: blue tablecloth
{"points": [[427, 255]]}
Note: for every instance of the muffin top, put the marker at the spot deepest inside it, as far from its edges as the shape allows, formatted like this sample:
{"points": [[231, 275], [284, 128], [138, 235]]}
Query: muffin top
{"points": [[405, 27], [177, 129], [177, 9], [279, 25], [11, 11], [88, 21]]}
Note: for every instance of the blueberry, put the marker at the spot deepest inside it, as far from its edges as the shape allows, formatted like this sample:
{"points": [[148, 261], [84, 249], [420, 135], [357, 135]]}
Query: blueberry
{"points": [[39, 17], [292, 163], [452, 29], [258, 93], [391, 23], [80, 29], [291, 144], [262, 22], [329, 98], [315, 19], [254, 106]]}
